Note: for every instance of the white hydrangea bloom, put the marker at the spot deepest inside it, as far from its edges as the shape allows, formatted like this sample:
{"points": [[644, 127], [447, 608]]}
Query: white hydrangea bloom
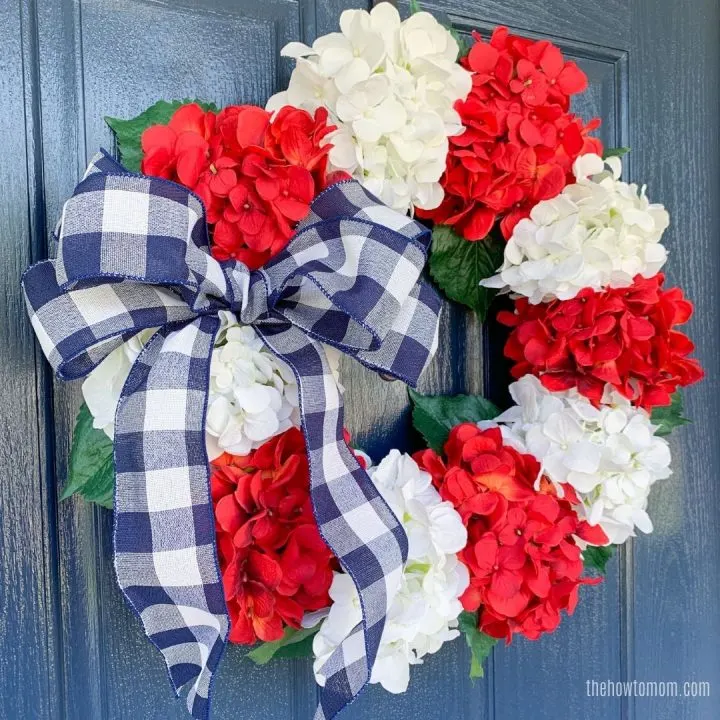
{"points": [[252, 396], [599, 232], [390, 87], [425, 611], [102, 387], [610, 454]]}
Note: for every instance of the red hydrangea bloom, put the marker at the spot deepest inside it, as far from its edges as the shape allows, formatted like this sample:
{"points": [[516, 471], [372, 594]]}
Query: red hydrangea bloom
{"points": [[176, 150], [298, 137], [520, 140], [255, 174], [524, 563], [274, 564], [624, 337]]}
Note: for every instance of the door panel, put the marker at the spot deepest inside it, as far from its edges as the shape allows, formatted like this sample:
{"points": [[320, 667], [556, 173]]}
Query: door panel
{"points": [[672, 612], [69, 647], [29, 626]]}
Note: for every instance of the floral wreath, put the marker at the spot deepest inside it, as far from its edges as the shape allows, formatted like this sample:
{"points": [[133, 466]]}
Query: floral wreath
{"points": [[207, 301]]}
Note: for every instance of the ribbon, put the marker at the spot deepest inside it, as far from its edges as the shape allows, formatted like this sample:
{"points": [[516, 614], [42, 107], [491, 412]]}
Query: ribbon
{"points": [[133, 254]]}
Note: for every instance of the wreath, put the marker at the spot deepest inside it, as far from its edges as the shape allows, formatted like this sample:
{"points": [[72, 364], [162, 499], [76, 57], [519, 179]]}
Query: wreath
{"points": [[206, 284]]}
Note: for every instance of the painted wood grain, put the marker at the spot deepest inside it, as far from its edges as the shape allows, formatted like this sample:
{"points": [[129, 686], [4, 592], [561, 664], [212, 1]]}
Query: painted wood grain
{"points": [[674, 624], [62, 115], [604, 24]]}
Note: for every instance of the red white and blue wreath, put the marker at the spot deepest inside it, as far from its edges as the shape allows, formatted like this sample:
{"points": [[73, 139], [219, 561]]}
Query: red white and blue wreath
{"points": [[207, 300]]}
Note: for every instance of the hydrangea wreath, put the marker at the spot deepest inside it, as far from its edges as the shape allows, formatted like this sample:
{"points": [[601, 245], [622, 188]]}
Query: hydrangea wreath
{"points": [[506, 514]]}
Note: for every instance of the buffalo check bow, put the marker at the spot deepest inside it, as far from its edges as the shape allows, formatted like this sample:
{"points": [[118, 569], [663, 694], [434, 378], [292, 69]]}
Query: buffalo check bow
{"points": [[133, 254]]}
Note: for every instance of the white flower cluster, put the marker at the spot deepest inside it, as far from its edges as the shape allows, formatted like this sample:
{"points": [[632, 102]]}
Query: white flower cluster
{"points": [[610, 454], [599, 232], [390, 87], [252, 394], [425, 611]]}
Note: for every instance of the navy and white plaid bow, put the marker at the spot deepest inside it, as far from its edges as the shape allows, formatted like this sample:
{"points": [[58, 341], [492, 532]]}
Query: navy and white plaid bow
{"points": [[133, 254]]}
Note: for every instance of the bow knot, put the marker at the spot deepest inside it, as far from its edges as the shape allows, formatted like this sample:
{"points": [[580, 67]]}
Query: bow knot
{"points": [[133, 254], [246, 292]]}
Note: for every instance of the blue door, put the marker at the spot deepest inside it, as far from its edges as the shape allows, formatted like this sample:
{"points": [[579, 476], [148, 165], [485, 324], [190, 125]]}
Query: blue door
{"points": [[69, 646]]}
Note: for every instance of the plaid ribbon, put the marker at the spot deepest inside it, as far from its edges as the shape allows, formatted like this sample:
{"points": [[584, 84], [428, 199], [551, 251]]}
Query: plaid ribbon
{"points": [[133, 254]]}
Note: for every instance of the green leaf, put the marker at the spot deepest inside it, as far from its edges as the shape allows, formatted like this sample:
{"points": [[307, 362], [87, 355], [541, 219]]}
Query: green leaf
{"points": [[462, 41], [435, 415], [615, 152], [668, 417], [293, 644], [298, 648], [480, 644], [128, 132], [458, 265], [414, 7], [91, 471], [596, 558]]}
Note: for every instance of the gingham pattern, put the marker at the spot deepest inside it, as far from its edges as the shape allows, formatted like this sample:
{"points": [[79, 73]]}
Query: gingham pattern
{"points": [[133, 254]]}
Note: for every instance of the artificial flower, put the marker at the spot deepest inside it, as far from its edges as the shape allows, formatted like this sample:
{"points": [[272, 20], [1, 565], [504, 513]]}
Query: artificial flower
{"points": [[626, 337], [524, 561], [255, 177], [102, 387], [179, 148], [424, 612], [520, 139], [275, 566], [609, 454], [389, 86], [599, 232], [253, 395]]}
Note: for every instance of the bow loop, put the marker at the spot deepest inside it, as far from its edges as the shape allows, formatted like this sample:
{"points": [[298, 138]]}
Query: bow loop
{"points": [[133, 254], [347, 274], [152, 230], [79, 326]]}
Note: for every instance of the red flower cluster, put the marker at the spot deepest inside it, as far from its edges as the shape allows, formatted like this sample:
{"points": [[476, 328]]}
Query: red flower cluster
{"points": [[256, 178], [524, 563], [624, 337], [274, 564], [521, 140]]}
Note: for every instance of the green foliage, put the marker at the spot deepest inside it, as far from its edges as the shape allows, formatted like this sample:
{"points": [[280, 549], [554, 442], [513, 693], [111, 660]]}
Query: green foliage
{"points": [[668, 417], [615, 152], [463, 42], [414, 7], [480, 644], [596, 558], [128, 132], [435, 415], [458, 265], [293, 644], [91, 471]]}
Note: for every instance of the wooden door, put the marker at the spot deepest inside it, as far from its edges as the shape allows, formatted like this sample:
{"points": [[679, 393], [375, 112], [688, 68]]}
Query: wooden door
{"points": [[69, 646]]}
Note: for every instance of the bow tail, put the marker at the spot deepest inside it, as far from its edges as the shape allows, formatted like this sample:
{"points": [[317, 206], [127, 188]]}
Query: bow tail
{"points": [[165, 553], [354, 520]]}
